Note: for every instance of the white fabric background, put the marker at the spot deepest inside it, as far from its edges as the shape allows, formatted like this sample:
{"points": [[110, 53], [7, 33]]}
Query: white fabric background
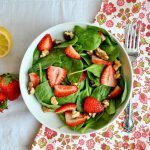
{"points": [[26, 19]]}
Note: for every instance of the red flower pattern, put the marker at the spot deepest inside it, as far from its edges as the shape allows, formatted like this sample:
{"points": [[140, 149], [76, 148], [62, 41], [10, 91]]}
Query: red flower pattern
{"points": [[109, 23], [140, 145], [49, 147], [90, 144], [49, 133], [137, 134], [129, 1], [143, 98], [109, 8], [108, 134]]}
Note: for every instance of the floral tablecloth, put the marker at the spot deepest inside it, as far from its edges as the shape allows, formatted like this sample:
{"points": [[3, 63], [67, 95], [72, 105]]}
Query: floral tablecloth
{"points": [[113, 16]]}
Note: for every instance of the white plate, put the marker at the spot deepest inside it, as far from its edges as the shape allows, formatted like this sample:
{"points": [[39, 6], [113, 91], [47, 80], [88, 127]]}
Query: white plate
{"points": [[50, 119]]}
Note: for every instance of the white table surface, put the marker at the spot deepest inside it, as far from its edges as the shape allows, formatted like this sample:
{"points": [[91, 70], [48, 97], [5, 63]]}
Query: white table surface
{"points": [[26, 19]]}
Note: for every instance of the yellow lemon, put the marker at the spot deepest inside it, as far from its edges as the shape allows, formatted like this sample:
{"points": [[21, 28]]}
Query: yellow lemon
{"points": [[5, 42]]}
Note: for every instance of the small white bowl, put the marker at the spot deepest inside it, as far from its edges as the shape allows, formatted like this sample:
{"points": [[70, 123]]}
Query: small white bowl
{"points": [[50, 119]]}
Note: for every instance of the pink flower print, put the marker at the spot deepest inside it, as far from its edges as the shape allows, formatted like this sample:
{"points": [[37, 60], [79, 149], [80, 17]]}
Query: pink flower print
{"points": [[109, 23], [108, 134], [134, 105], [93, 134], [90, 144], [148, 17], [137, 134], [81, 142], [129, 1], [138, 71], [120, 2], [148, 26], [109, 8], [49, 133], [125, 138], [148, 34], [142, 26], [49, 147], [143, 98], [148, 50], [140, 145], [125, 145], [141, 15], [79, 148], [144, 134]]}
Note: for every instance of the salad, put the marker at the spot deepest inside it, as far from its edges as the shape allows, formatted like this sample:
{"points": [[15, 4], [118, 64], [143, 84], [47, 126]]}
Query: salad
{"points": [[79, 78]]}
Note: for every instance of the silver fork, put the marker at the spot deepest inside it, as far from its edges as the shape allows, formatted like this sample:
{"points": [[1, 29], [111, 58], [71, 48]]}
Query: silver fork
{"points": [[132, 38]]}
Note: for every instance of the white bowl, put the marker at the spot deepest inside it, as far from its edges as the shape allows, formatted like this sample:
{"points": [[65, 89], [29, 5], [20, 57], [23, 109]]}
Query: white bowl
{"points": [[50, 119]]}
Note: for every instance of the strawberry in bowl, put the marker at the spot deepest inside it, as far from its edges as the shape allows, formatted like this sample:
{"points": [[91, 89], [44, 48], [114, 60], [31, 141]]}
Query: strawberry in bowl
{"points": [[79, 80]]}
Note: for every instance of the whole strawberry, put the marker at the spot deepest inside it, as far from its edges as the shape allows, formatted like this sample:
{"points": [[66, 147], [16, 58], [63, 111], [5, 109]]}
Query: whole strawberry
{"points": [[9, 86]]}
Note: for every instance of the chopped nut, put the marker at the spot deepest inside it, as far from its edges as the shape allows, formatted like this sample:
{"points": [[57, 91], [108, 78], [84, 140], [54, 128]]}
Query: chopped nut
{"points": [[90, 114], [30, 85], [56, 42], [90, 53], [45, 109], [88, 117], [75, 84], [106, 103], [117, 75], [54, 101], [101, 54], [44, 53], [93, 115], [32, 91], [103, 38], [68, 35], [116, 65], [75, 114]]}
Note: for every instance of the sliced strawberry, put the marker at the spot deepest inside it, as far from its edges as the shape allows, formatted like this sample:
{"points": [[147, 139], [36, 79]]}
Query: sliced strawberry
{"points": [[96, 60], [64, 90], [2, 97], [72, 53], [116, 92], [71, 122], [34, 78], [83, 76], [66, 107], [46, 43], [92, 105], [107, 77], [56, 75], [102, 36]]}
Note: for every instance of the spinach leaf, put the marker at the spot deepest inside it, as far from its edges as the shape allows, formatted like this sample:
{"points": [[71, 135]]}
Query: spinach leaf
{"points": [[91, 36], [111, 108], [81, 85], [52, 107], [96, 69], [82, 95], [77, 128], [43, 92], [101, 92], [67, 99], [41, 73], [67, 43], [36, 56], [114, 54], [53, 57], [86, 58], [78, 30], [44, 77], [75, 66], [108, 48], [93, 78]]}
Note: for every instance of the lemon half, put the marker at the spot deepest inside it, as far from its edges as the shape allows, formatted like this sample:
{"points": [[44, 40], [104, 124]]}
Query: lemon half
{"points": [[5, 42]]}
